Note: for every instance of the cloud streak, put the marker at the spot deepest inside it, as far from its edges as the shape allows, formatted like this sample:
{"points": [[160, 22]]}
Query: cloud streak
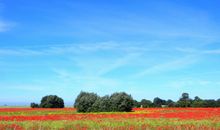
{"points": [[4, 26], [80, 48], [59, 49], [197, 51], [193, 82], [168, 66]]}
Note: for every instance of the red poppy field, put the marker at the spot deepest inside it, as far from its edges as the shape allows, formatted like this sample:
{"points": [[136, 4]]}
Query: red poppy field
{"points": [[140, 119]]}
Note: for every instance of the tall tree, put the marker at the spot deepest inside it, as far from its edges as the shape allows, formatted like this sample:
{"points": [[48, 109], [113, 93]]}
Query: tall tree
{"points": [[170, 103], [121, 102], [52, 101], [85, 101], [184, 100], [159, 102], [146, 103], [197, 102]]}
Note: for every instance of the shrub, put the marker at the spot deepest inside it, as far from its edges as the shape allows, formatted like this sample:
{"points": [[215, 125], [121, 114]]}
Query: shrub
{"points": [[184, 100], [34, 105], [121, 102], [146, 103], [52, 101], [170, 103], [136, 104], [85, 101], [158, 102], [102, 104], [91, 102]]}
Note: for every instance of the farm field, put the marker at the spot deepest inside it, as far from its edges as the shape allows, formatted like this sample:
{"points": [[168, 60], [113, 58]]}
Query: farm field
{"points": [[140, 119]]}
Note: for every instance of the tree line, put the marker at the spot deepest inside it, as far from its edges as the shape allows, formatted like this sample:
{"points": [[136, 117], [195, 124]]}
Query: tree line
{"points": [[184, 101], [121, 102]]}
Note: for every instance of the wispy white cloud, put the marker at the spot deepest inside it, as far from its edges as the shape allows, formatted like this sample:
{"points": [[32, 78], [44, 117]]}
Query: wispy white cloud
{"points": [[82, 48], [24, 87], [93, 78], [198, 51], [217, 51], [20, 52], [57, 49], [89, 76], [5, 26], [168, 66], [83, 82], [187, 83], [120, 62], [76, 49]]}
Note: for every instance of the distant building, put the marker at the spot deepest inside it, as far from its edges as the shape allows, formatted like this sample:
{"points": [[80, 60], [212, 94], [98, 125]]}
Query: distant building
{"points": [[164, 106]]}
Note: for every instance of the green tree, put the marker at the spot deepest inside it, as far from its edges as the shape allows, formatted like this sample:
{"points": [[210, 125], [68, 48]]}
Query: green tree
{"points": [[197, 102], [102, 104], [34, 105], [146, 103], [158, 102], [136, 104], [85, 101], [52, 101], [81, 94], [121, 102], [218, 102], [170, 103], [184, 101], [210, 103]]}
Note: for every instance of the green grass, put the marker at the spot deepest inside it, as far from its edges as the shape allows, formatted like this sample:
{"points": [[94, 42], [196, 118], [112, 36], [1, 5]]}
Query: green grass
{"points": [[112, 123], [35, 113]]}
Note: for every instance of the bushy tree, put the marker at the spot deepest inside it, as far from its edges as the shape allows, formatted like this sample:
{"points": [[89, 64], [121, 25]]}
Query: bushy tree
{"points": [[210, 103], [121, 102], [85, 101], [170, 103], [184, 96], [52, 101], [197, 102], [34, 105], [81, 94], [136, 104], [146, 103], [102, 104], [158, 102], [218, 102], [184, 100]]}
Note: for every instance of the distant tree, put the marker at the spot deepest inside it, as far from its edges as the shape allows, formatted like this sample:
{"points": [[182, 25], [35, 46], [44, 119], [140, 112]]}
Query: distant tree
{"points": [[210, 103], [197, 102], [102, 104], [136, 104], [121, 102], [218, 102], [185, 96], [197, 98], [85, 101], [81, 94], [158, 102], [52, 101], [34, 105], [146, 103], [170, 103], [184, 101]]}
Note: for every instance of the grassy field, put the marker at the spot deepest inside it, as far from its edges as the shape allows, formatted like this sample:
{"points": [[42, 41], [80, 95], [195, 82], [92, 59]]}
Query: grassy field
{"points": [[140, 119]]}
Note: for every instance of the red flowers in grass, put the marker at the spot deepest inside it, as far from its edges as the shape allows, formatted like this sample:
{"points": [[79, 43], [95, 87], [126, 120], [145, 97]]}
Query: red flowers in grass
{"points": [[10, 127], [181, 113], [35, 109]]}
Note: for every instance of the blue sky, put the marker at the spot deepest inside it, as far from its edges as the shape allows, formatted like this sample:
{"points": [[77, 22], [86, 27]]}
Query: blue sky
{"points": [[143, 47]]}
